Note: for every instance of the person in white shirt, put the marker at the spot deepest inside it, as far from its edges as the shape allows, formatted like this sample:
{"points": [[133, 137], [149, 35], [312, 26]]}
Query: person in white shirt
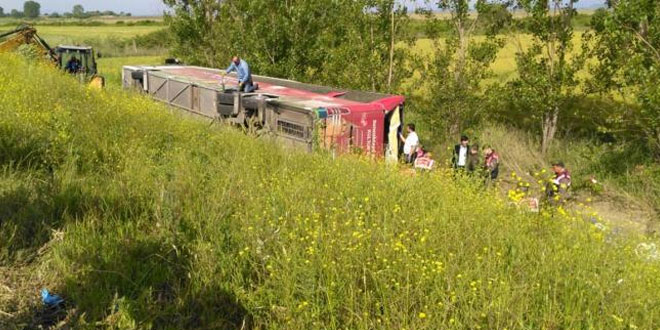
{"points": [[410, 143], [461, 153]]}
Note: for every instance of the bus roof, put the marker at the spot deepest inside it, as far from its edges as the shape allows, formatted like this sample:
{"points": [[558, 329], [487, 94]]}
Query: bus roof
{"points": [[293, 93]]}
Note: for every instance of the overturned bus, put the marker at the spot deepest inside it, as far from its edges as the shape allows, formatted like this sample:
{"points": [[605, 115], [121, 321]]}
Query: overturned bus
{"points": [[299, 114]]}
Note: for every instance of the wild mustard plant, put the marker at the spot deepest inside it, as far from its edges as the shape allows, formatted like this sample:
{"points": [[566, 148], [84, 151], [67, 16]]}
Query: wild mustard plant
{"points": [[169, 222]]}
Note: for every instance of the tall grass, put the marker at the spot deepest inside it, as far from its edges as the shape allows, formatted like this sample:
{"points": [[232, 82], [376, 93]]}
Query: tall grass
{"points": [[145, 219]]}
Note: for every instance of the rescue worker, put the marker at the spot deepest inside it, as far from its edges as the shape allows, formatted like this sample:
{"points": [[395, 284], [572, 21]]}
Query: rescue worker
{"points": [[491, 164], [410, 143], [73, 65], [558, 190], [242, 69], [459, 160]]}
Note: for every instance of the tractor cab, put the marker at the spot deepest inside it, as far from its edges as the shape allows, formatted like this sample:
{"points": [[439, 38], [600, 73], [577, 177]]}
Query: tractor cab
{"points": [[79, 60]]}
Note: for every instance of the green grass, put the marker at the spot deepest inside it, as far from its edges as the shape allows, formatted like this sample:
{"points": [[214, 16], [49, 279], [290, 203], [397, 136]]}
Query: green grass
{"points": [[504, 68], [107, 39], [56, 35], [111, 67], [145, 219]]}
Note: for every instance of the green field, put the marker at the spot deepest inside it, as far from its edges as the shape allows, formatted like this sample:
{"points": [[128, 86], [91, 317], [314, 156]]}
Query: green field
{"points": [[55, 35], [145, 219], [504, 67], [111, 67]]}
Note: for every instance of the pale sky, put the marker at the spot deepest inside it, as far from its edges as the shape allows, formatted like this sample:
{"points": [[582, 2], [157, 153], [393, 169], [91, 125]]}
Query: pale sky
{"points": [[152, 7]]}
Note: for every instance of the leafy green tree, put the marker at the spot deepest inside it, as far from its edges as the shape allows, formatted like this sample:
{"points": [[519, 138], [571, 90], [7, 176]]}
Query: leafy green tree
{"points": [[627, 46], [348, 43], [547, 82], [31, 9], [365, 50], [2, 12], [16, 14], [78, 11], [449, 89]]}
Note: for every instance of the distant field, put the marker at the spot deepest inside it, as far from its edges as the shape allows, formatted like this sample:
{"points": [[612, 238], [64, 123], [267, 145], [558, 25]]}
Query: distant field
{"points": [[77, 34], [504, 67], [110, 67], [101, 19]]}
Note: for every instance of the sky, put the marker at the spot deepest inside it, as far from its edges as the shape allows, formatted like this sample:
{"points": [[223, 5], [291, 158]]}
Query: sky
{"points": [[154, 7]]}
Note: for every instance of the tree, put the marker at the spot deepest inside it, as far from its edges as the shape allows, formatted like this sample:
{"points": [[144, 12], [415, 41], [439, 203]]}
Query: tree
{"points": [[627, 46], [547, 76], [366, 52], [451, 79], [2, 12], [78, 11], [16, 14], [348, 43], [31, 9]]}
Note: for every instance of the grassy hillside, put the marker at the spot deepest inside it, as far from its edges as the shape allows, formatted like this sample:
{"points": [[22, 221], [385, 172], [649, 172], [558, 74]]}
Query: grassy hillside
{"points": [[144, 219]]}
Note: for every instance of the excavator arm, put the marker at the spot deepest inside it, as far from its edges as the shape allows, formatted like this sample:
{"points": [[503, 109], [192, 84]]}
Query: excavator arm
{"points": [[25, 35]]}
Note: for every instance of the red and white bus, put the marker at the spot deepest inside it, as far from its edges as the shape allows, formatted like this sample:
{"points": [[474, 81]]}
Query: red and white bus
{"points": [[300, 114]]}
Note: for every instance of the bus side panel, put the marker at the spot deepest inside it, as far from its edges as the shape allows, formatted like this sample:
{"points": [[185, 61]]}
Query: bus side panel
{"points": [[368, 131]]}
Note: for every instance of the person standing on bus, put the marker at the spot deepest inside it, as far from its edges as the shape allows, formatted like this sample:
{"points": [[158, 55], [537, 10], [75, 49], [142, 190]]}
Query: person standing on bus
{"points": [[242, 69], [410, 143]]}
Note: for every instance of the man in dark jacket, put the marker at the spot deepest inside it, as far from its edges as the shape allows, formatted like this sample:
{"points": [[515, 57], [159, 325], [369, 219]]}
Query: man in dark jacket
{"points": [[461, 150]]}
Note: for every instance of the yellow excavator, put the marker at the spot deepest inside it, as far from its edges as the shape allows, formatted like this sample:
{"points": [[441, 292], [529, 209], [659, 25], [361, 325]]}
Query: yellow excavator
{"points": [[76, 60]]}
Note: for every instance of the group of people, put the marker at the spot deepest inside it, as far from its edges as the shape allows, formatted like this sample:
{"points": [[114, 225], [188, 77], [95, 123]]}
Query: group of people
{"points": [[413, 151], [468, 159], [465, 158]]}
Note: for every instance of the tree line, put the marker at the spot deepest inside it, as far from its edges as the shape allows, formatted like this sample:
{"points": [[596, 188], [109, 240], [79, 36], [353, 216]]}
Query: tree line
{"points": [[32, 9], [606, 85]]}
